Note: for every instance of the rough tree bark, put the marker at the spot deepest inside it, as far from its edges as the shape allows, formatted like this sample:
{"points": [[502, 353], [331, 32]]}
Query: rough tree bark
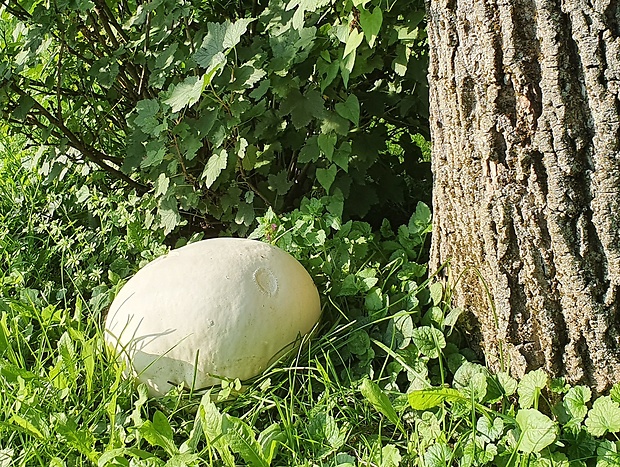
{"points": [[525, 115]]}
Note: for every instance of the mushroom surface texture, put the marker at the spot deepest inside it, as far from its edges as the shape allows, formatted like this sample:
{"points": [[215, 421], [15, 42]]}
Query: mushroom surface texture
{"points": [[218, 308]]}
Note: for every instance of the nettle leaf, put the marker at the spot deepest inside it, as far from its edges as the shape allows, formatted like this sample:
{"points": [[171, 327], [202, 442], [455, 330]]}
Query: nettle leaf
{"points": [[371, 24], [537, 430], [530, 386], [428, 340], [603, 417], [350, 109], [327, 176], [575, 402], [186, 93], [427, 398], [216, 163]]}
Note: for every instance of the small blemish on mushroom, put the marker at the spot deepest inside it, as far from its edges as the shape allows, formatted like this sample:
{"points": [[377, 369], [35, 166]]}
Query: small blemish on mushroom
{"points": [[266, 281]]}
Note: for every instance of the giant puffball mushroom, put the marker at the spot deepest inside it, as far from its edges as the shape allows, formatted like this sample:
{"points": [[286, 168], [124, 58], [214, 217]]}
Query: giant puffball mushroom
{"points": [[218, 308]]}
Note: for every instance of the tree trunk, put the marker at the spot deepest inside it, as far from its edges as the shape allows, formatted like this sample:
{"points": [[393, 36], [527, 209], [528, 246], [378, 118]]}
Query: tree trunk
{"points": [[525, 117]]}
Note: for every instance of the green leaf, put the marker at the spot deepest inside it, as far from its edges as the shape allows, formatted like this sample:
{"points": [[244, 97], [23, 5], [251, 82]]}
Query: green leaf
{"points": [[169, 214], [280, 182], [212, 426], [269, 439], [371, 24], [302, 108], [221, 37], [603, 417], [530, 386], [155, 152], [159, 433], [390, 456], [429, 340], [350, 109], [186, 93], [234, 31], [537, 430], [327, 176], [427, 398], [241, 439], [380, 401], [472, 378], [438, 455], [216, 163], [353, 41], [491, 429], [575, 402], [161, 184], [67, 353], [436, 290], [327, 142], [358, 342]]}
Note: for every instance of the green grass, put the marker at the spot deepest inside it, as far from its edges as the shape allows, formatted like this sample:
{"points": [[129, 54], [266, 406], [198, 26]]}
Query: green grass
{"points": [[383, 381]]}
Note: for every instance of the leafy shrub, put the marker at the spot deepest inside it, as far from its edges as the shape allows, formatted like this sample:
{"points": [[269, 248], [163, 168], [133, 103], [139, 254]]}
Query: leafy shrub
{"points": [[217, 111], [65, 238]]}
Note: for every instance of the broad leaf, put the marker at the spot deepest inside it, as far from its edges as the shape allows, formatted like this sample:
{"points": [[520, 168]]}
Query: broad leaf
{"points": [[537, 430], [603, 417], [186, 93], [216, 163]]}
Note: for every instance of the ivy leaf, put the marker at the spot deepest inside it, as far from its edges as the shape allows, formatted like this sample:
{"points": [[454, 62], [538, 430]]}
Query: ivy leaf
{"points": [[603, 417], [537, 430], [371, 24], [186, 93], [216, 163], [350, 109], [327, 176], [530, 386]]}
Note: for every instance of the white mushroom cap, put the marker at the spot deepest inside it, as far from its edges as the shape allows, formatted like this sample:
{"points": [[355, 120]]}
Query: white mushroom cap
{"points": [[230, 305]]}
